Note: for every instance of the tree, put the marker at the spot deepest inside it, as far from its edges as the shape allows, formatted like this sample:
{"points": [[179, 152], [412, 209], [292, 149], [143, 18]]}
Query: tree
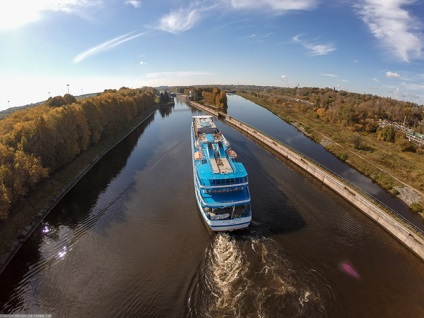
{"points": [[56, 101], [5, 202], [215, 97], [387, 133], [39, 140], [357, 141], [69, 99], [221, 100], [406, 145]]}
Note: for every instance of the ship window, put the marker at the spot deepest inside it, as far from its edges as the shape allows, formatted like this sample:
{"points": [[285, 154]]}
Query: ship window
{"points": [[225, 190], [222, 210], [207, 130], [228, 181], [241, 211]]}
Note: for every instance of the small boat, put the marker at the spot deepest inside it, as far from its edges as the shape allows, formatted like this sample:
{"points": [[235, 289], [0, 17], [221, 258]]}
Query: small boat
{"points": [[220, 181]]}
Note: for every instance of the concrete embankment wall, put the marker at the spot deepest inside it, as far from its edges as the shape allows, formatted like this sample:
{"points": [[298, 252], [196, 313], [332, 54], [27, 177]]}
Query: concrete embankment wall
{"points": [[370, 208]]}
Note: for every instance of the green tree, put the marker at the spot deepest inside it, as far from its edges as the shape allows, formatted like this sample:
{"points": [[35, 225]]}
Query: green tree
{"points": [[407, 146], [357, 141], [69, 99], [387, 133], [56, 101]]}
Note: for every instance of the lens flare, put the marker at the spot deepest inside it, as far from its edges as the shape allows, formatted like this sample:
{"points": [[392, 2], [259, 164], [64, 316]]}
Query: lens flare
{"points": [[347, 268]]}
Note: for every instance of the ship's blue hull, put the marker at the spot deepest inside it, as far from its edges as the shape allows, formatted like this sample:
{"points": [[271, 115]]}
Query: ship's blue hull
{"points": [[220, 183]]}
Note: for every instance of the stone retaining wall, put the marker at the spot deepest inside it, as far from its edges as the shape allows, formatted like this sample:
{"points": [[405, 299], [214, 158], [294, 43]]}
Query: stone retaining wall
{"points": [[388, 222]]}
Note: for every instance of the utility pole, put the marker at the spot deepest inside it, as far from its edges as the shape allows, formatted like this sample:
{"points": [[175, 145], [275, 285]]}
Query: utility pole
{"points": [[68, 87]]}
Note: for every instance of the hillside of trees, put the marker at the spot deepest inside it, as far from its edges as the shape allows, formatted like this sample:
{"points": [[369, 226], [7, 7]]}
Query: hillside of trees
{"points": [[354, 127], [37, 141], [358, 111]]}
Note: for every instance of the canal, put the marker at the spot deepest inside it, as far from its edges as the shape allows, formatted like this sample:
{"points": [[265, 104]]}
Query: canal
{"points": [[265, 121], [128, 241]]}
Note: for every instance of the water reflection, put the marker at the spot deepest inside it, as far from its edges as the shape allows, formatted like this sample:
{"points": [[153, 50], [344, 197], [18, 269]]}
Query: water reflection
{"points": [[166, 110], [77, 212], [265, 121], [77, 204], [139, 247], [273, 213]]}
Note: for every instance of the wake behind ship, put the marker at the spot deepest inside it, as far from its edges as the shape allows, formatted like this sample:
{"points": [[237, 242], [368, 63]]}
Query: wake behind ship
{"points": [[220, 182]]}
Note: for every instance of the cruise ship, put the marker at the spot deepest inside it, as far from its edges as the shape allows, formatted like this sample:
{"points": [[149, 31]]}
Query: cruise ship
{"points": [[220, 181]]}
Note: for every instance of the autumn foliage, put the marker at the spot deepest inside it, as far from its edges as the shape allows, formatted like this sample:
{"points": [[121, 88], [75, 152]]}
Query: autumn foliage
{"points": [[357, 112], [37, 141], [215, 97]]}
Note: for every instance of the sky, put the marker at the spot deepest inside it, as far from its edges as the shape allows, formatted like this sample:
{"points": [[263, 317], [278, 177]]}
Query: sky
{"points": [[52, 47]]}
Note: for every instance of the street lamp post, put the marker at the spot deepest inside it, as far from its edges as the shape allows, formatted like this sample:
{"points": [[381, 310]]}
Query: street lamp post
{"points": [[68, 87]]}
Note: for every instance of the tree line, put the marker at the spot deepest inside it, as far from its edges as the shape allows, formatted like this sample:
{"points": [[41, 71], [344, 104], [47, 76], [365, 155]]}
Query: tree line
{"points": [[37, 141], [359, 112], [215, 97], [207, 95]]}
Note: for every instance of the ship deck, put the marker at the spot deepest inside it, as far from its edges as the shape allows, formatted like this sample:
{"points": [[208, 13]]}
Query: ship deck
{"points": [[214, 149]]}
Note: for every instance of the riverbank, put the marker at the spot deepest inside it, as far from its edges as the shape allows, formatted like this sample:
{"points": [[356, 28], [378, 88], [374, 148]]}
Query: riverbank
{"points": [[392, 223], [28, 214], [400, 173]]}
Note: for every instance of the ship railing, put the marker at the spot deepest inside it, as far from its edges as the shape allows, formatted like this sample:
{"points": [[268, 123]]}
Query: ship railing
{"points": [[226, 185], [341, 181], [224, 204]]}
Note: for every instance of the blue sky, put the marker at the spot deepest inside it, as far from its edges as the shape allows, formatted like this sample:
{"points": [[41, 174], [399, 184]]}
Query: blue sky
{"points": [[364, 46]]}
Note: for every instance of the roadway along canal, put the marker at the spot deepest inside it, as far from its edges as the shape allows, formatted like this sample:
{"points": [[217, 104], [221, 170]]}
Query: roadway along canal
{"points": [[128, 241]]}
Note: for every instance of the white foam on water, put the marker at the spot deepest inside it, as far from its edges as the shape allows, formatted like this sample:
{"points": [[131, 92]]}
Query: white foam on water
{"points": [[253, 277]]}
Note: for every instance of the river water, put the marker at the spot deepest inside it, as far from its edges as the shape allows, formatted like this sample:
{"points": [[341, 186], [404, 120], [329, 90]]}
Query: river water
{"points": [[128, 241], [265, 121]]}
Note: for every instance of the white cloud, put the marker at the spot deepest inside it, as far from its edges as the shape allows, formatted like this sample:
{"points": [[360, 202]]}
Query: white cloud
{"points": [[14, 14], [314, 49], [134, 3], [398, 31], [276, 5], [184, 19], [179, 21], [376, 80], [329, 75], [390, 74], [284, 77], [176, 74], [143, 63], [107, 46]]}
